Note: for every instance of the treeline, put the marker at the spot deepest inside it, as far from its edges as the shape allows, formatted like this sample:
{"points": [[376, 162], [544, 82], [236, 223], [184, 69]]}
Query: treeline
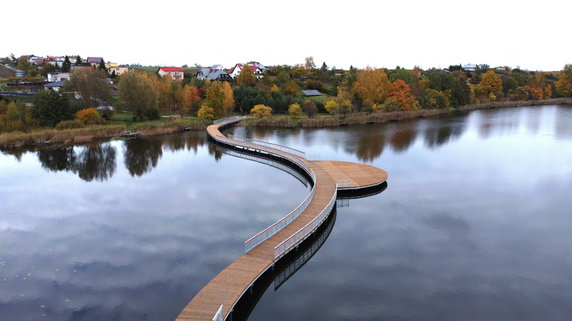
{"points": [[149, 96]]}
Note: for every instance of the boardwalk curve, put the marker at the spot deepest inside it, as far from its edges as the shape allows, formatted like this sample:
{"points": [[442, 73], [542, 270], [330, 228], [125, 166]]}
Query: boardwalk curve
{"points": [[216, 300]]}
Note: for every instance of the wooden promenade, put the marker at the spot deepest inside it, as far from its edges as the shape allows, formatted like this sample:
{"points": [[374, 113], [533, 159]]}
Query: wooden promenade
{"points": [[217, 298]]}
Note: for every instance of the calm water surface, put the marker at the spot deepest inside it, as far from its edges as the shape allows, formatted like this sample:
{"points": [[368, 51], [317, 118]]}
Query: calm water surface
{"points": [[475, 224]]}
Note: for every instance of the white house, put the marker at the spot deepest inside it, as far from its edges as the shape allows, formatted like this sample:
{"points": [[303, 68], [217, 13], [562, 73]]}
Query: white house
{"points": [[58, 76], [176, 73], [235, 71]]}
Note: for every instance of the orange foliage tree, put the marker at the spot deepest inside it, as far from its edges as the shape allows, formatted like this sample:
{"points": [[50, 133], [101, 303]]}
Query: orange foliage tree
{"points": [[187, 96], [401, 92], [89, 116]]}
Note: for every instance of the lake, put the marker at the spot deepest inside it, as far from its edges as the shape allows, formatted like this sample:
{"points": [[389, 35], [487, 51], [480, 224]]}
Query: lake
{"points": [[475, 223]]}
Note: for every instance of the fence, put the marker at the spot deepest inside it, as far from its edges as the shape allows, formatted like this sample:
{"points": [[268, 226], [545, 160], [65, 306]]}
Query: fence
{"points": [[282, 223], [218, 315], [303, 233], [268, 144]]}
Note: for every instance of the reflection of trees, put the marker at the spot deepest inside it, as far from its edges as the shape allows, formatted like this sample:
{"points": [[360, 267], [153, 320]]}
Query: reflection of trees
{"points": [[185, 141], [17, 153], [402, 139], [142, 155], [96, 162], [57, 159], [441, 131], [92, 162], [370, 146], [215, 152]]}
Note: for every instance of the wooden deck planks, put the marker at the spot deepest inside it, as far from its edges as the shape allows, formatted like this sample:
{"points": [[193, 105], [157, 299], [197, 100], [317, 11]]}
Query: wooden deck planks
{"points": [[227, 287]]}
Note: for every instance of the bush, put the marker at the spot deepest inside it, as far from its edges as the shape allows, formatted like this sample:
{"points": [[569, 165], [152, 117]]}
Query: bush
{"points": [[206, 112], [261, 111], [295, 110], [69, 124], [89, 116]]}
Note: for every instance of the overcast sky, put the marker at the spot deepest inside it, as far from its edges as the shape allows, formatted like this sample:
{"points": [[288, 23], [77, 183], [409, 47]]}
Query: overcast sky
{"points": [[534, 35]]}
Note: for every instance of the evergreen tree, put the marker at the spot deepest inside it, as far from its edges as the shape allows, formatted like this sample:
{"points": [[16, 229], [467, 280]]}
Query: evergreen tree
{"points": [[102, 65], [78, 61], [51, 107], [66, 66]]}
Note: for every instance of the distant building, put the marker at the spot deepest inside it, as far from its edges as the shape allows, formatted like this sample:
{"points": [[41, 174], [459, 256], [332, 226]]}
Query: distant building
{"points": [[58, 76], [55, 86], [176, 73], [213, 74], [94, 61], [470, 67], [235, 71], [113, 67], [311, 93]]}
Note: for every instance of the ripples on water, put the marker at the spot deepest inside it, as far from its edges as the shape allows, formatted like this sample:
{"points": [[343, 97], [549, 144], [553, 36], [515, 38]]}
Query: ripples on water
{"points": [[475, 223]]}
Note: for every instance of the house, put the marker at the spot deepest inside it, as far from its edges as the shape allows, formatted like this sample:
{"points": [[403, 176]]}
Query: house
{"points": [[58, 76], [94, 61], [311, 93], [176, 73], [55, 86], [212, 74], [235, 71], [115, 68], [77, 67], [470, 67]]}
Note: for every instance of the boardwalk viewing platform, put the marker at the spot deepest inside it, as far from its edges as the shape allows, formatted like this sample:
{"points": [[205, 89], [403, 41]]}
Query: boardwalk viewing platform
{"points": [[216, 300]]}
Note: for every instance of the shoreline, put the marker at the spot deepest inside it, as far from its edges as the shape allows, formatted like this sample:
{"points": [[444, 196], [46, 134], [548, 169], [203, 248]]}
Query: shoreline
{"points": [[91, 134]]}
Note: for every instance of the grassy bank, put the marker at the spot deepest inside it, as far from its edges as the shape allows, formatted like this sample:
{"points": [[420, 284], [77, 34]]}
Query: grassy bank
{"points": [[381, 117], [87, 134]]}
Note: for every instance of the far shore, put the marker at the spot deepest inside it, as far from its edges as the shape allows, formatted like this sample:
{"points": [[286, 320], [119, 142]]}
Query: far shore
{"points": [[97, 133]]}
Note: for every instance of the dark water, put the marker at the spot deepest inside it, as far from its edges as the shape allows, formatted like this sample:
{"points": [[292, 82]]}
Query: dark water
{"points": [[475, 223]]}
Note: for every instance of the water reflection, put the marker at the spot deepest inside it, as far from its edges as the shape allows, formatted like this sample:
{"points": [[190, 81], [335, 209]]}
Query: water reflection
{"points": [[142, 155], [95, 161], [442, 131]]}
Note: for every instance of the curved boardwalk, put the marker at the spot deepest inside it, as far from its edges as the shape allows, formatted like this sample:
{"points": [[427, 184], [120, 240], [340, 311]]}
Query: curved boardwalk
{"points": [[217, 298]]}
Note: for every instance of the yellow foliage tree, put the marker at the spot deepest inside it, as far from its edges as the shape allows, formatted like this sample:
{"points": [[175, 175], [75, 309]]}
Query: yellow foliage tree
{"points": [[206, 112], [295, 110], [89, 116], [216, 98], [490, 83], [228, 105], [332, 107], [564, 83], [274, 88], [291, 88], [371, 86], [246, 76], [261, 111]]}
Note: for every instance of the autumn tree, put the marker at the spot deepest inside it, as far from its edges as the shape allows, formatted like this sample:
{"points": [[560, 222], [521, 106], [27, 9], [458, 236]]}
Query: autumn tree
{"points": [[216, 98], [261, 111], [187, 97], [332, 107], [291, 88], [401, 92], [564, 83], [371, 86], [228, 104], [206, 112], [91, 85], [246, 76], [490, 85], [138, 95], [295, 111], [89, 116], [167, 89]]}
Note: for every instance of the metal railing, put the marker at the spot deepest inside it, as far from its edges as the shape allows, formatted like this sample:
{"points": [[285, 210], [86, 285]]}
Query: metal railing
{"points": [[296, 238], [218, 315], [268, 144], [220, 120], [281, 223]]}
